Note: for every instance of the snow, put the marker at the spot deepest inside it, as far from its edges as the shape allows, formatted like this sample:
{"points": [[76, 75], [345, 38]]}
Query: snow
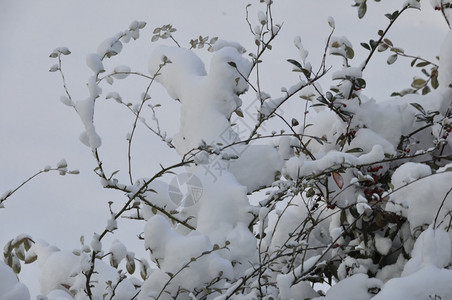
{"points": [[94, 62], [66, 101], [166, 244], [302, 51], [60, 269], [382, 244], [432, 247], [424, 274], [262, 17], [95, 244], [331, 22], [288, 290], [10, 287], [422, 200], [427, 282], [445, 63], [339, 45], [118, 251], [353, 72], [59, 295], [414, 3], [355, 287], [121, 69], [110, 47], [206, 102], [362, 205], [366, 139], [249, 169], [322, 184], [85, 109]]}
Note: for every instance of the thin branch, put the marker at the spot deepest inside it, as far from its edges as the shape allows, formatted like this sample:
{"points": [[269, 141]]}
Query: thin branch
{"points": [[391, 22], [134, 126], [440, 207]]}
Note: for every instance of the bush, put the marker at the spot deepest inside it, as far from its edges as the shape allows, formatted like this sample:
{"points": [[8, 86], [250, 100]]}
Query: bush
{"points": [[351, 192]]}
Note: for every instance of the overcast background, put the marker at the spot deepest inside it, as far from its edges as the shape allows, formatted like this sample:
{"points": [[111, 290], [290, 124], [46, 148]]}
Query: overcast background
{"points": [[37, 130]]}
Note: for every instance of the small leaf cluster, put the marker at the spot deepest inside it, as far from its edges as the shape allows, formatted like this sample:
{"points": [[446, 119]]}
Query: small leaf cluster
{"points": [[201, 41], [16, 250], [362, 7], [425, 85], [343, 49], [163, 32], [424, 116], [299, 68]]}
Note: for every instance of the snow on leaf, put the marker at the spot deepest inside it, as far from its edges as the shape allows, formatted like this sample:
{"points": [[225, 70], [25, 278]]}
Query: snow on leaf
{"points": [[94, 62], [121, 72]]}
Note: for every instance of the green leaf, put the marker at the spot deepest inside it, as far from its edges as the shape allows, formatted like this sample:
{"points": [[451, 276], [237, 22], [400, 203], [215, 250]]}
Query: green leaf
{"points": [[54, 68], [318, 140], [366, 46], [360, 83], [422, 64], [130, 266], [425, 90], [349, 52], [317, 104], [372, 44], [395, 14], [418, 107], [382, 47], [295, 63], [329, 96], [354, 212], [388, 41], [434, 81], [354, 150], [392, 16], [30, 258], [392, 59], [418, 83], [362, 9], [397, 50]]}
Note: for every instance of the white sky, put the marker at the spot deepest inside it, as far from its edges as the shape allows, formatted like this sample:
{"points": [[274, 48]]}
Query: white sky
{"points": [[37, 130]]}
